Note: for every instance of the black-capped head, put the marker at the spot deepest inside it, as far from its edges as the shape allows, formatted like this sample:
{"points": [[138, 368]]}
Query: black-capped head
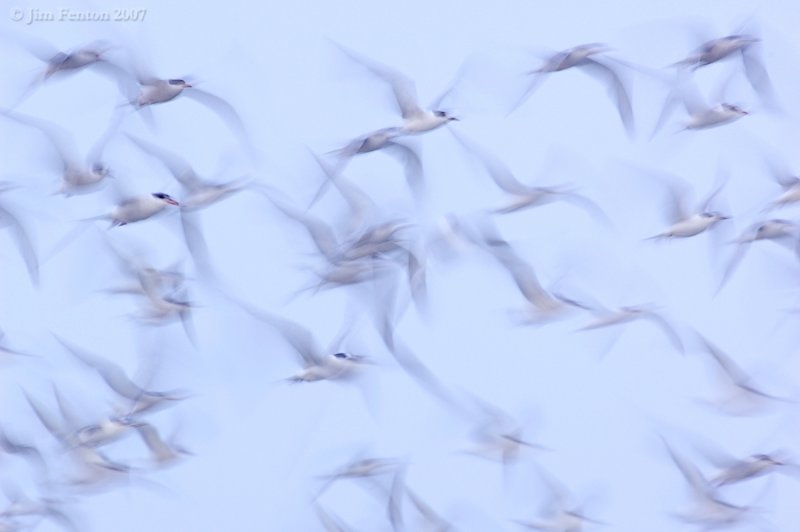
{"points": [[165, 198], [179, 83]]}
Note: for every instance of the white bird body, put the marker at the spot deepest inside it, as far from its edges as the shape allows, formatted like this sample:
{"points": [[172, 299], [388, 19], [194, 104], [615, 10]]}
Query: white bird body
{"points": [[424, 121], [140, 208], [718, 115], [694, 225], [156, 91]]}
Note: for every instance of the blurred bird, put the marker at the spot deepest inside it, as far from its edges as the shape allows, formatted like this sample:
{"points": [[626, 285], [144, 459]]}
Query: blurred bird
{"points": [[415, 119], [379, 140], [740, 395], [142, 90], [708, 510], [701, 114], [717, 50], [162, 454], [317, 364], [751, 467], [139, 400], [96, 468], [626, 314], [330, 522], [544, 305], [430, 521], [94, 56], [77, 177], [137, 209], [788, 181], [778, 230], [685, 221], [527, 196], [198, 193], [499, 436], [43, 507], [745, 46], [57, 61], [584, 56], [559, 510], [20, 236]]}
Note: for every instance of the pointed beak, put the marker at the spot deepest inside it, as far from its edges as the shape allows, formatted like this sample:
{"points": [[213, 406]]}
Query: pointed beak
{"points": [[454, 118], [187, 85], [172, 202]]}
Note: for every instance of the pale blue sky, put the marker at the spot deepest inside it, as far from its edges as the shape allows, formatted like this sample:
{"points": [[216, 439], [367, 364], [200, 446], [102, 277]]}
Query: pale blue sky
{"points": [[259, 445]]}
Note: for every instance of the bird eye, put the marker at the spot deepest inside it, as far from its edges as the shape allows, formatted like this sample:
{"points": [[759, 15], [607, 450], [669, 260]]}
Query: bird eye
{"points": [[440, 113], [176, 82], [341, 355]]}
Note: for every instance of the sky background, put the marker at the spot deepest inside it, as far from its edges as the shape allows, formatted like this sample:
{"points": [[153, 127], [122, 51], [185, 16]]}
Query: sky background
{"points": [[259, 445]]}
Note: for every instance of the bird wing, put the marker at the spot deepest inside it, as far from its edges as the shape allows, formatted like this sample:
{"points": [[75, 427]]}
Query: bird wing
{"points": [[61, 141], [23, 242], [616, 87], [667, 328], [180, 169], [225, 111], [320, 232], [111, 373], [496, 169], [295, 334], [404, 89]]}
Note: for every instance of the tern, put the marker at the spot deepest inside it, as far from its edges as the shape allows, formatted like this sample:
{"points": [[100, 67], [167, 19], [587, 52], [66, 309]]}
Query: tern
{"points": [[162, 454], [97, 468], [77, 177], [686, 222], [709, 510], [701, 115], [331, 522], [778, 230], [416, 120], [147, 90], [629, 313], [44, 507], [544, 305], [753, 466], [741, 395], [20, 235], [384, 140], [59, 63], [317, 364], [430, 521], [561, 514], [528, 196], [56, 61], [198, 194], [788, 181], [718, 49], [140, 400], [584, 56], [743, 45], [499, 436], [137, 209]]}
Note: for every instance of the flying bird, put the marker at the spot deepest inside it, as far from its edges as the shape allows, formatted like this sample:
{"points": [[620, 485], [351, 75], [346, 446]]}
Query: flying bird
{"points": [[585, 57], [77, 176], [20, 235], [416, 120]]}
